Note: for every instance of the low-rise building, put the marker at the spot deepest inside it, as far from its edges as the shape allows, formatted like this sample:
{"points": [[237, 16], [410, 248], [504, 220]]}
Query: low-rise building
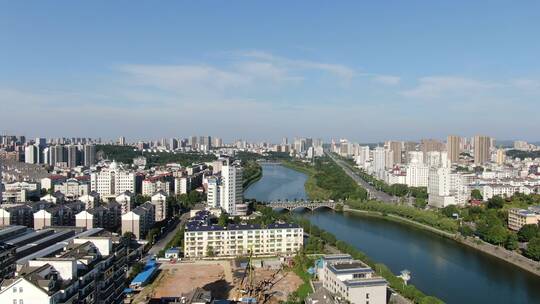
{"points": [[73, 188], [90, 269], [517, 218], [139, 220], [203, 240], [16, 214], [352, 280], [20, 191], [126, 201]]}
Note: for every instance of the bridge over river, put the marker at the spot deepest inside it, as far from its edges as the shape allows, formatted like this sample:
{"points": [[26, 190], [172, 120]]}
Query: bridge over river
{"points": [[311, 205]]}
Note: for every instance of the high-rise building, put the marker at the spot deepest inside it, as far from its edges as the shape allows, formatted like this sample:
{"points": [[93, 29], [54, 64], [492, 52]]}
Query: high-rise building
{"points": [[232, 188], [112, 181], [453, 147], [213, 193], [396, 147], [56, 155], [72, 156], [429, 145], [31, 154], [379, 161], [173, 144], [501, 156], [89, 155], [122, 141], [482, 146]]}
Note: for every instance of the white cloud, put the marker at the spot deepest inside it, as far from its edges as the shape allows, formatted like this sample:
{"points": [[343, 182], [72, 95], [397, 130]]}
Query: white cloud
{"points": [[441, 86], [387, 79], [184, 76], [344, 72]]}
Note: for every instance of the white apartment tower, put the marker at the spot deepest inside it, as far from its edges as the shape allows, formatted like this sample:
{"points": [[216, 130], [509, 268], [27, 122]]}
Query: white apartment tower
{"points": [[112, 181], [213, 193], [379, 161], [232, 188]]}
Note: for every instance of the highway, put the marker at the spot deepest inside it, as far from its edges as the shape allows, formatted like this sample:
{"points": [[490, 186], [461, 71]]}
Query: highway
{"points": [[375, 194]]}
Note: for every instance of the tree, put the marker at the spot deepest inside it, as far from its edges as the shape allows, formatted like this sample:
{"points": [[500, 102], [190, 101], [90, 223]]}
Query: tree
{"points": [[527, 232], [129, 235], [495, 202], [476, 194], [420, 203], [223, 219], [492, 229], [533, 249], [210, 251], [511, 242], [450, 210]]}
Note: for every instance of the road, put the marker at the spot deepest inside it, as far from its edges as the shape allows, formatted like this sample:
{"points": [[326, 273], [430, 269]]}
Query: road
{"points": [[376, 194], [162, 242]]}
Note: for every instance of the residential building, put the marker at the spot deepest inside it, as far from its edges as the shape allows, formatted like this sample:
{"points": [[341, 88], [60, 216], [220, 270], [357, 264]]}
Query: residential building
{"points": [[112, 181], [159, 200], [107, 217], [517, 217], [139, 220], [89, 155], [232, 188], [482, 147], [126, 201], [453, 147], [73, 188], [16, 214], [202, 240], [352, 280], [20, 191], [88, 270]]}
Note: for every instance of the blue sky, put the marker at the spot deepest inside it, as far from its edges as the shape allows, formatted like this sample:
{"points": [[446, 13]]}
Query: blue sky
{"points": [[367, 71]]}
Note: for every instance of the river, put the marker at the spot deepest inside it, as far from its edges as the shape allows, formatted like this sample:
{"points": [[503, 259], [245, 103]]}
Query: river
{"points": [[439, 266]]}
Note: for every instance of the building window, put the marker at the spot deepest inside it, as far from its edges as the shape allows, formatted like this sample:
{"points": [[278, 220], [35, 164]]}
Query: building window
{"points": [[21, 301], [367, 295], [20, 289], [14, 289]]}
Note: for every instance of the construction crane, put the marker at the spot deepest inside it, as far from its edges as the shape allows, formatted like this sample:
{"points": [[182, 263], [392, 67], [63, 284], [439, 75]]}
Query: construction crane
{"points": [[252, 292]]}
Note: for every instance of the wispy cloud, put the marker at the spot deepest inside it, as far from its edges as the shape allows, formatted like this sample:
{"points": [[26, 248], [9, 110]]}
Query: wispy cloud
{"points": [[441, 86], [387, 79], [344, 72]]}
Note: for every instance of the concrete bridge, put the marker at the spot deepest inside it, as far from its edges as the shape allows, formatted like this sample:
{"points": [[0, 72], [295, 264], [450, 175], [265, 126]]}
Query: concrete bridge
{"points": [[302, 205]]}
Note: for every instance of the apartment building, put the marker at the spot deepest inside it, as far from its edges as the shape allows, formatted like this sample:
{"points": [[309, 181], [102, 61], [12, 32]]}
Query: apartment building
{"points": [[154, 184], [126, 201], [19, 192], [112, 181], [139, 220], [203, 240], [16, 214], [519, 217], [351, 280], [159, 200], [54, 216], [107, 216], [91, 199], [73, 188], [89, 269]]}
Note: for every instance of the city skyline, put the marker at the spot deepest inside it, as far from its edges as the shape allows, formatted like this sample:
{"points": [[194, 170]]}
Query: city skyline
{"points": [[368, 72]]}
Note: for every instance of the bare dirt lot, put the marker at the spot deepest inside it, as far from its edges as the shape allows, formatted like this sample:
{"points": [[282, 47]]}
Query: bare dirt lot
{"points": [[177, 280], [181, 279]]}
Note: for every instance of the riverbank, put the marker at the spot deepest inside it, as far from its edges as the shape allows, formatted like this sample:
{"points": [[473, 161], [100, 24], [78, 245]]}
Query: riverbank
{"points": [[254, 174], [313, 191], [510, 257], [327, 181]]}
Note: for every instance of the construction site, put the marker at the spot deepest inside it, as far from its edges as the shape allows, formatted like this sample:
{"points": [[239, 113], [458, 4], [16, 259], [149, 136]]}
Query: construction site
{"points": [[241, 280]]}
